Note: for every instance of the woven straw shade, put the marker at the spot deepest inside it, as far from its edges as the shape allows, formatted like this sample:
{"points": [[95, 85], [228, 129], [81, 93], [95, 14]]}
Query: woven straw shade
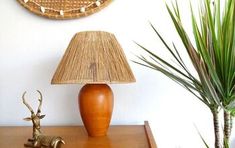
{"points": [[93, 57]]}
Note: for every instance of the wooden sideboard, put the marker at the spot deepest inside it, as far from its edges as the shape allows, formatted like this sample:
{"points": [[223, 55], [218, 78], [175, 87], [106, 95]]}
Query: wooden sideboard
{"points": [[119, 136]]}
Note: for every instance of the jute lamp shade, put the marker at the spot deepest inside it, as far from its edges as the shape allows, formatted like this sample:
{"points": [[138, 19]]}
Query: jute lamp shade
{"points": [[94, 58]]}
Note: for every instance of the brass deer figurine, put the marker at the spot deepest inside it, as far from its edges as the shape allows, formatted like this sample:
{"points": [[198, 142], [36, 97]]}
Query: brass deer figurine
{"points": [[39, 140]]}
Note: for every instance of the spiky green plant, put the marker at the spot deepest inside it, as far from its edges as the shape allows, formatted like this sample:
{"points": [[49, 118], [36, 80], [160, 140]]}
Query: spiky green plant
{"points": [[213, 58]]}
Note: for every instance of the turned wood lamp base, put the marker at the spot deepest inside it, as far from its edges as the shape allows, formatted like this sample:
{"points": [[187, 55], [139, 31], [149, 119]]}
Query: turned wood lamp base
{"points": [[96, 107]]}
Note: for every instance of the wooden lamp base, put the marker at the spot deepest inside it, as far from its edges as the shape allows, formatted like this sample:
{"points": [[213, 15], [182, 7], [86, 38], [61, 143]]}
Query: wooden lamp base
{"points": [[96, 107]]}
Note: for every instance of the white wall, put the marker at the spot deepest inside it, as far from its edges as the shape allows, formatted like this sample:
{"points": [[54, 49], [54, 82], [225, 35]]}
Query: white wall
{"points": [[32, 46]]}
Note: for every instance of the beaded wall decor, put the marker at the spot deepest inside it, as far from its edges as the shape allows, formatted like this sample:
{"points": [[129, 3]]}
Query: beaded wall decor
{"points": [[64, 9]]}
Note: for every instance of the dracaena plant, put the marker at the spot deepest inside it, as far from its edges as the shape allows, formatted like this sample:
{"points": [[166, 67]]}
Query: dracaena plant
{"points": [[213, 57]]}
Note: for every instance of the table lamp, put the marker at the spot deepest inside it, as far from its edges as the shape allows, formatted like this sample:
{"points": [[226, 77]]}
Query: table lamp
{"points": [[94, 58]]}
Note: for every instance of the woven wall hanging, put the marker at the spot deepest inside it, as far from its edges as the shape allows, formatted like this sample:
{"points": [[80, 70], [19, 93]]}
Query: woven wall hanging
{"points": [[64, 9]]}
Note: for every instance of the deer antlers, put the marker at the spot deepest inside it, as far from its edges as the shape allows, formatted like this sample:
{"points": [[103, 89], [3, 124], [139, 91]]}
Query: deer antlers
{"points": [[28, 106], [40, 102]]}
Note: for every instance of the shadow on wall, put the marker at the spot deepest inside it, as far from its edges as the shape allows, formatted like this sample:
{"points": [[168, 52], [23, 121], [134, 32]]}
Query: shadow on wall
{"points": [[62, 106], [60, 101]]}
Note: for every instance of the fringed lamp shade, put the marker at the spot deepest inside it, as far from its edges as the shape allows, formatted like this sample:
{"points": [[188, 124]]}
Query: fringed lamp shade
{"points": [[93, 57]]}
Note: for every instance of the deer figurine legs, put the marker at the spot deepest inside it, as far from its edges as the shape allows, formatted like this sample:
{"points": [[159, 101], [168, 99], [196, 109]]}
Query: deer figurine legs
{"points": [[45, 142]]}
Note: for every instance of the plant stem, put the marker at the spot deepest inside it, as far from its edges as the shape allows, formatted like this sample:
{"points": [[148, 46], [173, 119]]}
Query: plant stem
{"points": [[227, 126], [231, 123], [216, 128]]}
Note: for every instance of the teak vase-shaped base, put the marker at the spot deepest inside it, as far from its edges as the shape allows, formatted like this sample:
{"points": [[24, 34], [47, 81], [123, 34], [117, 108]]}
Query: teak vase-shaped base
{"points": [[96, 107]]}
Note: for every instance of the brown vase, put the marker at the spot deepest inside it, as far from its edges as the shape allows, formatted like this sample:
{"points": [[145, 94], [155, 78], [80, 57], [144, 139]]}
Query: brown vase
{"points": [[96, 107]]}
